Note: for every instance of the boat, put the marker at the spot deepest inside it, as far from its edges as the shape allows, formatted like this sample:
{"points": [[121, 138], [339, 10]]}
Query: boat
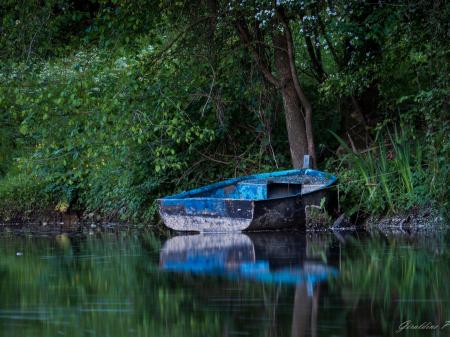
{"points": [[279, 257], [265, 201]]}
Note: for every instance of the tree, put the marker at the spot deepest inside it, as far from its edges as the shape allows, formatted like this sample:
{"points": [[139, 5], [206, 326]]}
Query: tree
{"points": [[265, 30]]}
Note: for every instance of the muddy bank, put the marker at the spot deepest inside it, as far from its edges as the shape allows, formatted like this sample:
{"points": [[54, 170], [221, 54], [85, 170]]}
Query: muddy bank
{"points": [[53, 222], [415, 220], [54, 217]]}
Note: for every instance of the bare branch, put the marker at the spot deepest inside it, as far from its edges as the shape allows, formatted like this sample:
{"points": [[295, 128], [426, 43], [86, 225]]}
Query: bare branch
{"points": [[245, 36], [180, 35]]}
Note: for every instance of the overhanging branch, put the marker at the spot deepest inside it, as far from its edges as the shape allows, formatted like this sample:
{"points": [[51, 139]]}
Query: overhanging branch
{"points": [[246, 39]]}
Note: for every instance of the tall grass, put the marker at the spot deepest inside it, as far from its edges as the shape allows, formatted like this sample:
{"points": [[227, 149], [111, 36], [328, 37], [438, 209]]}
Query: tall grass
{"points": [[390, 176], [405, 156]]}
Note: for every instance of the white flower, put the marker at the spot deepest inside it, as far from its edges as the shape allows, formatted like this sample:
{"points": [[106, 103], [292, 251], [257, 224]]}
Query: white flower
{"points": [[121, 62]]}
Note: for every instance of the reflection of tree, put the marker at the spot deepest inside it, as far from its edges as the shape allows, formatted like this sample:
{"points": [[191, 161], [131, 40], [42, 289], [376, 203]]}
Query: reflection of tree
{"points": [[318, 247], [112, 283], [271, 303], [304, 316]]}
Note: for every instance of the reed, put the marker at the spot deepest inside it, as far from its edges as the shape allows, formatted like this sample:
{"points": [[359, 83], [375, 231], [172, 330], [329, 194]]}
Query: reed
{"points": [[386, 173]]}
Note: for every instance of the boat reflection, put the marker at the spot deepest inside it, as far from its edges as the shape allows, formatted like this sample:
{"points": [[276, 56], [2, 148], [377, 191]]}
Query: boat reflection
{"points": [[265, 257]]}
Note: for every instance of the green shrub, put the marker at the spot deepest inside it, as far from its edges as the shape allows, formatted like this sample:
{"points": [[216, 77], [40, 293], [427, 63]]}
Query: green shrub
{"points": [[111, 133], [22, 195]]}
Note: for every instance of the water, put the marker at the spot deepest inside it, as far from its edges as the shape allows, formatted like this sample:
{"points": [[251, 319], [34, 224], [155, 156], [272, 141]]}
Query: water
{"points": [[267, 284]]}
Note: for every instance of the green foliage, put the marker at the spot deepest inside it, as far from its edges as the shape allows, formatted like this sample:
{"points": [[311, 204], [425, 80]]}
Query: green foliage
{"points": [[111, 104], [110, 134], [86, 118], [317, 216], [33, 29], [22, 195], [391, 176]]}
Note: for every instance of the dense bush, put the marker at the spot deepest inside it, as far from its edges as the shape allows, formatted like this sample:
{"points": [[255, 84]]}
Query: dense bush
{"points": [[110, 134], [24, 196], [105, 106]]}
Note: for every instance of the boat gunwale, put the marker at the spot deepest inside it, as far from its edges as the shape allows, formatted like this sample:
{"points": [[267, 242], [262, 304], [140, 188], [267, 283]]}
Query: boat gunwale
{"points": [[185, 195]]}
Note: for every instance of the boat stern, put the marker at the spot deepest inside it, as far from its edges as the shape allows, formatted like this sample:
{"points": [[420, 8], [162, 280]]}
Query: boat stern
{"points": [[206, 214]]}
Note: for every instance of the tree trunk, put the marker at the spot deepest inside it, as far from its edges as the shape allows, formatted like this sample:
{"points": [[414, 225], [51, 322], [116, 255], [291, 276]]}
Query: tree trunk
{"points": [[295, 123], [300, 137], [306, 104]]}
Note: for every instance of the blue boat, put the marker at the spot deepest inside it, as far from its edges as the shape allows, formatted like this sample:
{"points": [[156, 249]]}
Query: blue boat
{"points": [[265, 201]]}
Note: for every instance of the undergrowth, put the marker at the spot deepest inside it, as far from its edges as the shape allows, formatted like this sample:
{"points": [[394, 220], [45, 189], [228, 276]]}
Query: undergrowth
{"points": [[23, 194], [394, 175]]}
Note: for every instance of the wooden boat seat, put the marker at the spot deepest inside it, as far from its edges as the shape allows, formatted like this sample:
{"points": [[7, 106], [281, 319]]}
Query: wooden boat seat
{"points": [[269, 189]]}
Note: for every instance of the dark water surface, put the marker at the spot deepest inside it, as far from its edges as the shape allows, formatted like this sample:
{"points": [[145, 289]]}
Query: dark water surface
{"points": [[266, 284]]}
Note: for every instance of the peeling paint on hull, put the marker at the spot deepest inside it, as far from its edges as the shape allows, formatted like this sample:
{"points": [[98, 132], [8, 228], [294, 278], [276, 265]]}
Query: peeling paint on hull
{"points": [[205, 224]]}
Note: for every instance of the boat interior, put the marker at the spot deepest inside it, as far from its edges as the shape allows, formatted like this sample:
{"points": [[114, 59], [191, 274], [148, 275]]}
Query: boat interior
{"points": [[266, 188]]}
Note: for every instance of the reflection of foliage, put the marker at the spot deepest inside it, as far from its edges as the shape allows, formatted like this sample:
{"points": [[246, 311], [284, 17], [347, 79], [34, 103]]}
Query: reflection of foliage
{"points": [[111, 285], [95, 284], [317, 245], [400, 280]]}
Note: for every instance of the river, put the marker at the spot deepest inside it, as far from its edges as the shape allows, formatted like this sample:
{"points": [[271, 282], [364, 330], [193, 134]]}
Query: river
{"points": [[132, 283]]}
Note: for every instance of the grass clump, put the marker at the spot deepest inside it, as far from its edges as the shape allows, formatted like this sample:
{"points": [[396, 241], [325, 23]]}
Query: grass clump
{"points": [[392, 176]]}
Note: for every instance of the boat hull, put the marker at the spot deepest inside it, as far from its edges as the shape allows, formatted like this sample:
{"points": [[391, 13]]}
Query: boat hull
{"points": [[290, 212], [192, 211]]}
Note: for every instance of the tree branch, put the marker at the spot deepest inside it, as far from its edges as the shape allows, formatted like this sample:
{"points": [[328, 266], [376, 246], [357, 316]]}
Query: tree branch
{"points": [[315, 62], [180, 35], [327, 40], [245, 36]]}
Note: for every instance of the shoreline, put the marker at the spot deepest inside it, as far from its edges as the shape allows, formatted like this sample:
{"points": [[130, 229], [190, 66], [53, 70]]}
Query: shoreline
{"points": [[410, 222]]}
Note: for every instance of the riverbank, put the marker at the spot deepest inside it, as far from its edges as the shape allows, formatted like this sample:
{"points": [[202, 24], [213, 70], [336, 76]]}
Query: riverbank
{"points": [[50, 221], [416, 220], [108, 107]]}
